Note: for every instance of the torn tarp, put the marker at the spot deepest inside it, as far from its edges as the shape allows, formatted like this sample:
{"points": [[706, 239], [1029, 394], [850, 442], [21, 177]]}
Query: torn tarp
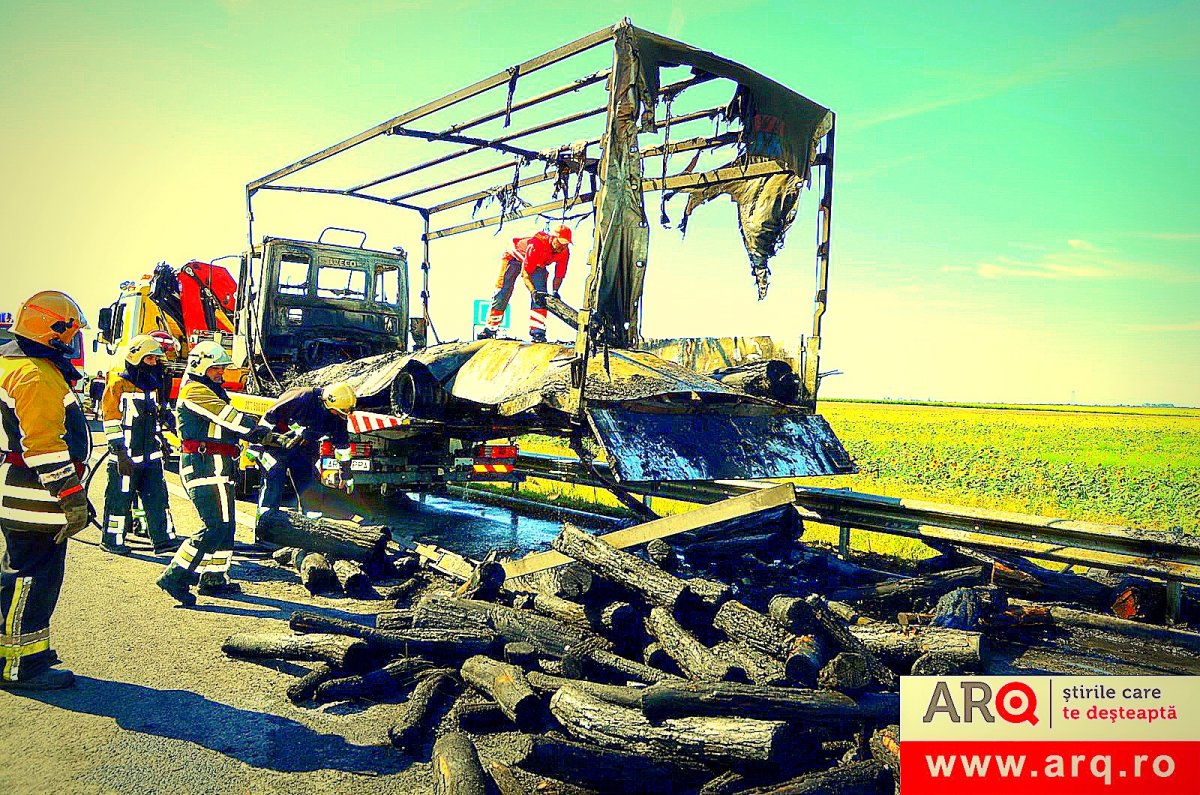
{"points": [[776, 121], [766, 209]]}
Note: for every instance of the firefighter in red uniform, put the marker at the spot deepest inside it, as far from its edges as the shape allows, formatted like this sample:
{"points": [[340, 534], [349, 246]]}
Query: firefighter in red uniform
{"points": [[531, 257]]}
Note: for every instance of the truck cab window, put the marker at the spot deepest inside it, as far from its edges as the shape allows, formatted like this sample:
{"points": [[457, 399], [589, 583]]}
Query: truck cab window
{"points": [[293, 273], [342, 283], [387, 286]]}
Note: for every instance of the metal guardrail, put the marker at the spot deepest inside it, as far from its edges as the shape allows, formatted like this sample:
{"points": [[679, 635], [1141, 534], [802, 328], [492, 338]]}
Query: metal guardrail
{"points": [[1173, 557]]}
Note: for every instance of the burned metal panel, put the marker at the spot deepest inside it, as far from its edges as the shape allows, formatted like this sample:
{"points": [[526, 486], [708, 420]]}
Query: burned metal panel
{"points": [[651, 446]]}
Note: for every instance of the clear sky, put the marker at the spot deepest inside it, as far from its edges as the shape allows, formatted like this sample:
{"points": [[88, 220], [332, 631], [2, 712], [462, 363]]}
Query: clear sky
{"points": [[1016, 210]]}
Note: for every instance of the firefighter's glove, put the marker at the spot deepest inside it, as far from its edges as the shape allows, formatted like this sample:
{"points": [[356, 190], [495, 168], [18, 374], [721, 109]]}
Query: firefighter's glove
{"points": [[75, 507], [257, 434], [166, 419], [556, 296], [293, 437], [125, 464], [166, 448]]}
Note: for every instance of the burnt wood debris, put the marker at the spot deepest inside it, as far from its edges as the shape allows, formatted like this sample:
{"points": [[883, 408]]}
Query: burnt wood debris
{"points": [[699, 662]]}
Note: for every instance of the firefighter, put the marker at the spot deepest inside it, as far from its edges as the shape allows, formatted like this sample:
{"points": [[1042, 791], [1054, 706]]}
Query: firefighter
{"points": [[292, 429], [209, 429], [45, 442], [96, 392], [531, 257], [131, 412]]}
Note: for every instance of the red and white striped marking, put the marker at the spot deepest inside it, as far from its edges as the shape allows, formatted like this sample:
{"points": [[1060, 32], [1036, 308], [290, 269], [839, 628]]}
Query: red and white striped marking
{"points": [[364, 421]]}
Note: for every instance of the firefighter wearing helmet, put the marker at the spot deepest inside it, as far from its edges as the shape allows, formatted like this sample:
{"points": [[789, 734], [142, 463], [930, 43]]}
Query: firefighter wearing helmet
{"points": [[130, 409], [292, 431], [44, 441], [530, 258], [209, 429]]}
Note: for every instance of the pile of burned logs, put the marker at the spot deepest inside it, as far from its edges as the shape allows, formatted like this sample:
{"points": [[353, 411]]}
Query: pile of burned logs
{"points": [[337, 556], [739, 664]]}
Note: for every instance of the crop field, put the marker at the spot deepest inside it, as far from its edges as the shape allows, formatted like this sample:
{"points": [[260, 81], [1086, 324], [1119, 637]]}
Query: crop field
{"points": [[1119, 465]]}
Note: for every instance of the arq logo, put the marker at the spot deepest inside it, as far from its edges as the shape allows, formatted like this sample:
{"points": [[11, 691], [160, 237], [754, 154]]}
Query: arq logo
{"points": [[1014, 702]]}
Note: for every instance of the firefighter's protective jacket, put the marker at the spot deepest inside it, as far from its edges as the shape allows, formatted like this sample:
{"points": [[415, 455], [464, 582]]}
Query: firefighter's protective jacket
{"points": [[302, 406], [535, 252], [44, 437], [129, 409], [204, 413]]}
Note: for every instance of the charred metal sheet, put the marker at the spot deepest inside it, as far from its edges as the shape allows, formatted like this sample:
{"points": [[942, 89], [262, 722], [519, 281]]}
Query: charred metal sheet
{"points": [[652, 446]]}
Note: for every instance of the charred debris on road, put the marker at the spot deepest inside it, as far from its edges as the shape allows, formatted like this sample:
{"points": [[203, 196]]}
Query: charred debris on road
{"points": [[709, 652]]}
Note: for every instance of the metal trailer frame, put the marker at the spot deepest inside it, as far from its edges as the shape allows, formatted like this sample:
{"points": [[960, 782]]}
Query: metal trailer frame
{"points": [[507, 144]]}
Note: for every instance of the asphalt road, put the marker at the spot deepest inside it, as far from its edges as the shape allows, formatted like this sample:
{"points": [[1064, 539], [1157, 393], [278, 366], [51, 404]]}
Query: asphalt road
{"points": [[159, 708]]}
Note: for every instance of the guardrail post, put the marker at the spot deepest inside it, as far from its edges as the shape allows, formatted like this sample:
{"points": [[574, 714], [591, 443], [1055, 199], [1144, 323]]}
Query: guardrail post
{"points": [[844, 542], [1174, 601]]}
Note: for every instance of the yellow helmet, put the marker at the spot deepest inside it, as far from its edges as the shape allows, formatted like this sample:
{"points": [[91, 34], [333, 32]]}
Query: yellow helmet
{"points": [[140, 347], [205, 355], [339, 398], [51, 318]]}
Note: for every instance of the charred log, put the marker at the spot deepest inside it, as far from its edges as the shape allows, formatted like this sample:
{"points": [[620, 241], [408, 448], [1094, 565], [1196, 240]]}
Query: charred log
{"points": [[507, 685], [699, 738], [337, 650]]}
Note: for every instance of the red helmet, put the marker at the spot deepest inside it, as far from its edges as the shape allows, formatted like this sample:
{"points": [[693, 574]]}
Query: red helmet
{"points": [[166, 341], [565, 233]]}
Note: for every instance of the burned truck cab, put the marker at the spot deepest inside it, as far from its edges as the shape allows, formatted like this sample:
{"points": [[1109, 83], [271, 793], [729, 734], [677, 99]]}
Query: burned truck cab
{"points": [[312, 304]]}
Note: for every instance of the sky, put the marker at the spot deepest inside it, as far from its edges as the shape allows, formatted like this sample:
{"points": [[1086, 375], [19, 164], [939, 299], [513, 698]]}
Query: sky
{"points": [[1016, 216]]}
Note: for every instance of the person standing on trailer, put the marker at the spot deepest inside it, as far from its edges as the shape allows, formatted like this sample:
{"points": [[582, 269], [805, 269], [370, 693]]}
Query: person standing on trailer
{"points": [[130, 410], [531, 258], [44, 445], [291, 430], [209, 429]]}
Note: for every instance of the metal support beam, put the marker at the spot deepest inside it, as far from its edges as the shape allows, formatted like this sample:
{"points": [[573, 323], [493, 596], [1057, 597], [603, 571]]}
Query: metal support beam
{"points": [[812, 353], [570, 88], [477, 144], [583, 198], [677, 182], [348, 194], [734, 174], [496, 80]]}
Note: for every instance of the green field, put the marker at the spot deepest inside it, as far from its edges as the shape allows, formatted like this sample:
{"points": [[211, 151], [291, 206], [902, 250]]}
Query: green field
{"points": [[1121, 465]]}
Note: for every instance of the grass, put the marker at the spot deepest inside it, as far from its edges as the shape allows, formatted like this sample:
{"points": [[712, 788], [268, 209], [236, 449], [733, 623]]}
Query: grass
{"points": [[1124, 465]]}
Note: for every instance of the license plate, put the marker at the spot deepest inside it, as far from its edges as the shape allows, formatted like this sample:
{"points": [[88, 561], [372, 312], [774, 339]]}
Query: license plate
{"points": [[330, 463], [360, 465]]}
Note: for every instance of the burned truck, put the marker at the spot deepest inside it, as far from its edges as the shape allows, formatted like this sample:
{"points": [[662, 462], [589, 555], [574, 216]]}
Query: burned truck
{"points": [[674, 121]]}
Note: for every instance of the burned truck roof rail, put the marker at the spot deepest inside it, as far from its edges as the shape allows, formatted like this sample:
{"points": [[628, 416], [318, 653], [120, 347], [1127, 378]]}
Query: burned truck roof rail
{"points": [[783, 142]]}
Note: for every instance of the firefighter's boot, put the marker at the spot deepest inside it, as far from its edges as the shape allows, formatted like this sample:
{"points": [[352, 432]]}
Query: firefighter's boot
{"points": [[486, 334], [216, 584], [537, 335], [49, 679], [177, 583]]}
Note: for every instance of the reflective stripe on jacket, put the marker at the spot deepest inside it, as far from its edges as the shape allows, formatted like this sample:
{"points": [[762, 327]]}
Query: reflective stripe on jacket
{"points": [[130, 417], [204, 413]]}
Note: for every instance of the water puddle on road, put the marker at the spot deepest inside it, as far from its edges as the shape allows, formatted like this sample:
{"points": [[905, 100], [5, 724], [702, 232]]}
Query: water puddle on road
{"points": [[468, 528]]}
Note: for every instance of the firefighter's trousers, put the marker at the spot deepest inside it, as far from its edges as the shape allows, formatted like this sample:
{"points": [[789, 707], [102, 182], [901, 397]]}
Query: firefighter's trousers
{"points": [[298, 464], [207, 479], [510, 270], [148, 484], [31, 575]]}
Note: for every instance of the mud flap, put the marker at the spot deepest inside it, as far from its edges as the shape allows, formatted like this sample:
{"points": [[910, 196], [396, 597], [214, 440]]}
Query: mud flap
{"points": [[652, 446]]}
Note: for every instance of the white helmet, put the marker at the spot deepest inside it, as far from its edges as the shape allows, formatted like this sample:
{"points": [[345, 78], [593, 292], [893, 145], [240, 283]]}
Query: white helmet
{"points": [[339, 398], [140, 347], [205, 355]]}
